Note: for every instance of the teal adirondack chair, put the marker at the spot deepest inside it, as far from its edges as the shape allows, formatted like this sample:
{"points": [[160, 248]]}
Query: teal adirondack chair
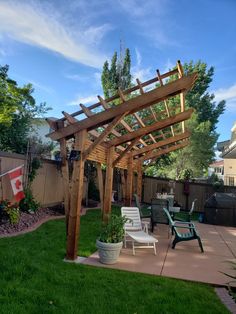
{"points": [[185, 236], [143, 213]]}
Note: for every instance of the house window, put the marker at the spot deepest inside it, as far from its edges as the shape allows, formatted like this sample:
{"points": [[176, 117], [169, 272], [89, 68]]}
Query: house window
{"points": [[231, 181]]}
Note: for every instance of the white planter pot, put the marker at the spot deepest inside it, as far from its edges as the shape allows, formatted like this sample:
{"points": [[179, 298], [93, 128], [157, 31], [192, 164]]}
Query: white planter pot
{"points": [[108, 252]]}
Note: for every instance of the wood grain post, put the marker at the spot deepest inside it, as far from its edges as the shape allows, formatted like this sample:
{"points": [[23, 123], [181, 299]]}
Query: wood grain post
{"points": [[123, 184], [76, 197], [65, 177], [100, 183], [139, 180], [108, 185], [129, 183]]}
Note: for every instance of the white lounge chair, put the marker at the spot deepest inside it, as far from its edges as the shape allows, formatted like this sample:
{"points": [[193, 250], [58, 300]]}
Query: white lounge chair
{"points": [[136, 230]]}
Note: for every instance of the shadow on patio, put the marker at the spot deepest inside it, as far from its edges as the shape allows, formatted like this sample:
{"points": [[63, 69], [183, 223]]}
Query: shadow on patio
{"points": [[186, 261]]}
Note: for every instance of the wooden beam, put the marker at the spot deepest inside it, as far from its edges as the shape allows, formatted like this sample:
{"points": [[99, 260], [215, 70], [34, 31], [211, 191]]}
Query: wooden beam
{"points": [[182, 98], [103, 135], [165, 102], [86, 110], [69, 118], [89, 113], [120, 93], [127, 91], [140, 86], [65, 176], [100, 183], [76, 198], [132, 105], [52, 122], [139, 180], [123, 184], [122, 122], [164, 151], [159, 125], [162, 143], [180, 69], [129, 182], [182, 104], [108, 185], [143, 125], [127, 149]]}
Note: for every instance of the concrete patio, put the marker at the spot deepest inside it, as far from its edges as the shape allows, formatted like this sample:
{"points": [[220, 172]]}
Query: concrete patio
{"points": [[186, 261]]}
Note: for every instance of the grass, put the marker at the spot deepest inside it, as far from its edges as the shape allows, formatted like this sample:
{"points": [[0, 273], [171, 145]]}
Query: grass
{"points": [[184, 215], [34, 279]]}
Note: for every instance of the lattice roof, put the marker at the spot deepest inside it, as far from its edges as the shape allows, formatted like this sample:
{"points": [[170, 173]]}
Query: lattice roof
{"points": [[121, 121]]}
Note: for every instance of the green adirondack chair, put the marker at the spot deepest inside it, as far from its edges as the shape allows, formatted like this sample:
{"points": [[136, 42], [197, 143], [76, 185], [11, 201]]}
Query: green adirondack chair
{"points": [[184, 236], [144, 213]]}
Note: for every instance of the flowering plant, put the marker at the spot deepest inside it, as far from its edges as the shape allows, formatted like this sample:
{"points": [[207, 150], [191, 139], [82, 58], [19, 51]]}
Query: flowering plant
{"points": [[10, 210]]}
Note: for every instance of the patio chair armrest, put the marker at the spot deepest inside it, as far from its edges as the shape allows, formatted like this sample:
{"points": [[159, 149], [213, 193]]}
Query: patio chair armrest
{"points": [[183, 223], [185, 227], [145, 225]]}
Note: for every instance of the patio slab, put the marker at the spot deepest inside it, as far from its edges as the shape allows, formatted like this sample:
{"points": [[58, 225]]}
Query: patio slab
{"points": [[186, 261]]}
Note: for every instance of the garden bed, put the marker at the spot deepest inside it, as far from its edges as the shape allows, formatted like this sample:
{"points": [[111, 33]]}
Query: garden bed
{"points": [[28, 220]]}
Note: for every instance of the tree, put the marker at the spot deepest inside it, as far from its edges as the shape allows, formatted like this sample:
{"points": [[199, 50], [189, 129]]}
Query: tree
{"points": [[118, 75], [200, 153], [17, 109]]}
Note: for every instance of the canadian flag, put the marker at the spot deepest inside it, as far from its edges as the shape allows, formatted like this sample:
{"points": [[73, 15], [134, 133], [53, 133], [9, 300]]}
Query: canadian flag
{"points": [[16, 178]]}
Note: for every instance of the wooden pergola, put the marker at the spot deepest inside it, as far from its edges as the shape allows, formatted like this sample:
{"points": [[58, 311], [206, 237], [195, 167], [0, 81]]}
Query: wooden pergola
{"points": [[119, 133]]}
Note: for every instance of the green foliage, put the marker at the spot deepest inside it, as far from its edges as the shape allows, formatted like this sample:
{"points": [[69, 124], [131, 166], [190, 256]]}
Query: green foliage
{"points": [[90, 172], [28, 203], [113, 231], [118, 75], [17, 109], [197, 156], [217, 183], [12, 211], [35, 165]]}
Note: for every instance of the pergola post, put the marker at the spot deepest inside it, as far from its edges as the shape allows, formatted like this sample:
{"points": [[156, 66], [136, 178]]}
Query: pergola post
{"points": [[65, 176], [76, 196], [129, 182], [139, 180], [108, 184], [100, 183], [123, 185]]}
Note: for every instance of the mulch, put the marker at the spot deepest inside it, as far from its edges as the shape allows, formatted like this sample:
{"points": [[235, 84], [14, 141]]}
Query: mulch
{"points": [[29, 220]]}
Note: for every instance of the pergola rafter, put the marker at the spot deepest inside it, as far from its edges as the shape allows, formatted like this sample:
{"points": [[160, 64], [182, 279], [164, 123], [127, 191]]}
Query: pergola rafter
{"points": [[123, 135]]}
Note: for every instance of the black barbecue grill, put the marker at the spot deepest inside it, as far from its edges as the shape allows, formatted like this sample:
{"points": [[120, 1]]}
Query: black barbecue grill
{"points": [[220, 209]]}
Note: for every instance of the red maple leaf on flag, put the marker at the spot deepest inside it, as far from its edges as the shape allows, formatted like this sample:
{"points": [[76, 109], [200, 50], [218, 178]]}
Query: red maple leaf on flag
{"points": [[18, 184]]}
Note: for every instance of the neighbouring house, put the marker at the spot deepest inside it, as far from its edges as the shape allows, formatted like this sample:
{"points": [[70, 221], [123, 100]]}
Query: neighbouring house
{"points": [[40, 129], [217, 167], [228, 153]]}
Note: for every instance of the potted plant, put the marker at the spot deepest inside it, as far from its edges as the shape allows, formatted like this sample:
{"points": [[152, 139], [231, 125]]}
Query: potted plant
{"points": [[110, 240]]}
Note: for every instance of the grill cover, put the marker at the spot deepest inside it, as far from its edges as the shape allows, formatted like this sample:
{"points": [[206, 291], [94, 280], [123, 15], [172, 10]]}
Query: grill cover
{"points": [[220, 209]]}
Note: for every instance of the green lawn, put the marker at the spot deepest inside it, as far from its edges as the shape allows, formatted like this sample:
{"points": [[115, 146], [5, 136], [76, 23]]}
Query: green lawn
{"points": [[34, 279]]}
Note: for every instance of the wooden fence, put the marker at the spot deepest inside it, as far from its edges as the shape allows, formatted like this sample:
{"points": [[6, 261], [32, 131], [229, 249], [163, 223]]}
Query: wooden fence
{"points": [[201, 191], [48, 185]]}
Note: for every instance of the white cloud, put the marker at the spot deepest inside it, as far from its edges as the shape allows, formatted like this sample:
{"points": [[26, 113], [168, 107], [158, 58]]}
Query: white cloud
{"points": [[44, 88], [32, 25], [168, 66], [143, 74], [151, 19], [227, 94], [83, 100]]}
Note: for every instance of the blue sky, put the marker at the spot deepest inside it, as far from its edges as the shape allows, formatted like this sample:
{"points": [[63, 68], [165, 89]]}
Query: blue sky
{"points": [[60, 46]]}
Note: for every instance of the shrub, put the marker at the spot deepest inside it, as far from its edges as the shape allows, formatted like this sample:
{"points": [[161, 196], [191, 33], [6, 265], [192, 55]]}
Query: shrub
{"points": [[113, 231], [11, 211], [28, 203]]}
